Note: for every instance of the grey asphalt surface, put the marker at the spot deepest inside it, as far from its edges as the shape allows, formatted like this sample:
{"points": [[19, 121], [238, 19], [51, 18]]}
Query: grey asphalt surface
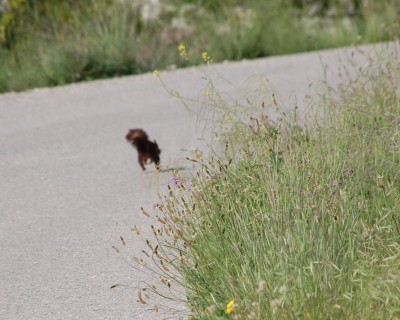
{"points": [[70, 185]]}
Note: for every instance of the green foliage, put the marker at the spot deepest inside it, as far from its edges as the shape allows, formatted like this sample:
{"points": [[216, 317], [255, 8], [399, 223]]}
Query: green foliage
{"points": [[292, 221], [46, 42], [16, 8]]}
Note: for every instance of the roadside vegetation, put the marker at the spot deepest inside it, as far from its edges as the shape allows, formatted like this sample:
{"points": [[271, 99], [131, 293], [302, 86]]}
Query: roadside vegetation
{"points": [[54, 42], [288, 220]]}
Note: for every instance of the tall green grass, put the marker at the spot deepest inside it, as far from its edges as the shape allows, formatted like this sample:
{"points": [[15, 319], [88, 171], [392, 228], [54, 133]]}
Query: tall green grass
{"points": [[56, 42], [291, 222]]}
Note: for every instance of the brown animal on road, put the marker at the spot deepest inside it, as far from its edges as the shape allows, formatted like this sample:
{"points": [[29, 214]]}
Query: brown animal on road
{"points": [[148, 151]]}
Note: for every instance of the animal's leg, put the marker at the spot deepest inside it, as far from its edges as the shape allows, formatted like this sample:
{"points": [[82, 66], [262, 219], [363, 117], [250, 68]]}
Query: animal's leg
{"points": [[142, 161]]}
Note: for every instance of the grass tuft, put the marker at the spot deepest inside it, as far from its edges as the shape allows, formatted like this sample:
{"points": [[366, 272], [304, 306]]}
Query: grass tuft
{"points": [[291, 221]]}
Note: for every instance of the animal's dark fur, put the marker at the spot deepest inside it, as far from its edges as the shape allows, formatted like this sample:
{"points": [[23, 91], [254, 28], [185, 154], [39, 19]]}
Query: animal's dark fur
{"points": [[147, 150]]}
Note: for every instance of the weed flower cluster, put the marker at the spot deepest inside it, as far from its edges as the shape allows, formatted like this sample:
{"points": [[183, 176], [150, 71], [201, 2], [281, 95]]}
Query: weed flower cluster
{"points": [[206, 58], [230, 306], [183, 51]]}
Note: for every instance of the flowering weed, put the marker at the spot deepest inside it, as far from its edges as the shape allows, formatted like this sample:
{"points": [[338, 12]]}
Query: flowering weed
{"points": [[290, 220]]}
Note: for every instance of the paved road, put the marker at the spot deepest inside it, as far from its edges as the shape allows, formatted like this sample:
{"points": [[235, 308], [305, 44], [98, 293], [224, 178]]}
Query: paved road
{"points": [[70, 184]]}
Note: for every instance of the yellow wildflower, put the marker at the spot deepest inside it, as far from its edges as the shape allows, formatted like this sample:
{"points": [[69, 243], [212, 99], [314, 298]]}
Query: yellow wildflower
{"points": [[206, 57], [181, 48], [156, 73], [183, 51], [207, 92], [230, 306]]}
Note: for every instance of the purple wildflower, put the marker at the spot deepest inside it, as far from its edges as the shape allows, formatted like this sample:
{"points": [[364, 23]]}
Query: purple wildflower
{"points": [[175, 180]]}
